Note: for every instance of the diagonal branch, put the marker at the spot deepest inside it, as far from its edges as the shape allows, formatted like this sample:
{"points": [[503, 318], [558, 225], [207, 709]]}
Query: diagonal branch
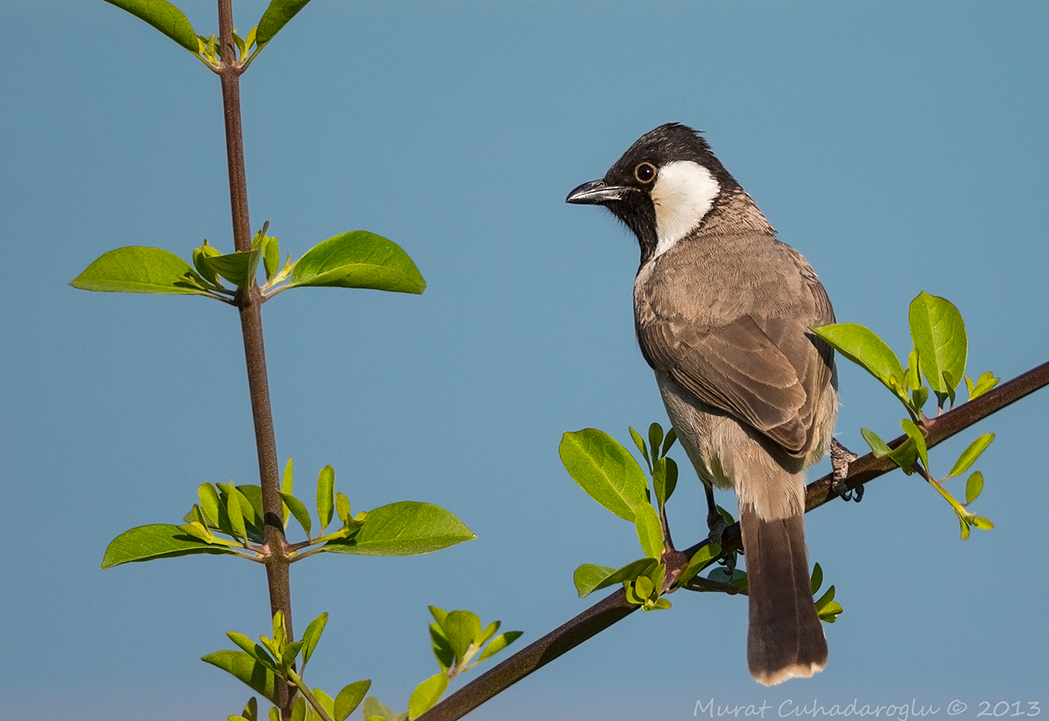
{"points": [[614, 608]]}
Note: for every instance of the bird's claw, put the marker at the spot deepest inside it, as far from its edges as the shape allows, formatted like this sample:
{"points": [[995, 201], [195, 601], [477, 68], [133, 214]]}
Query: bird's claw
{"points": [[840, 458]]}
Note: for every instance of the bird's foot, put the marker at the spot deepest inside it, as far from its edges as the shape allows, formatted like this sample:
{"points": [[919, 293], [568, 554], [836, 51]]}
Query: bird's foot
{"points": [[840, 458]]}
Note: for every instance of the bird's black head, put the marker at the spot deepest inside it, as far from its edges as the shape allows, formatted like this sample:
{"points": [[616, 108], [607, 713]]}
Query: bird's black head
{"points": [[662, 188]]}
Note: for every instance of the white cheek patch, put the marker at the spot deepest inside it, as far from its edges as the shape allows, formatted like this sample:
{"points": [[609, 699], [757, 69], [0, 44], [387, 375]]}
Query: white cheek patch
{"points": [[684, 192]]}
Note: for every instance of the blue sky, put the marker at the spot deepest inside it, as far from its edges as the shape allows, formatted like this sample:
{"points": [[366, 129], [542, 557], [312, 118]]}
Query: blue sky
{"points": [[899, 146]]}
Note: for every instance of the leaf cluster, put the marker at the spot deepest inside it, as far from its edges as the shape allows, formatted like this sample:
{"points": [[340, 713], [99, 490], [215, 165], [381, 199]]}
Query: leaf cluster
{"points": [[357, 259], [228, 519], [259, 665], [938, 359]]}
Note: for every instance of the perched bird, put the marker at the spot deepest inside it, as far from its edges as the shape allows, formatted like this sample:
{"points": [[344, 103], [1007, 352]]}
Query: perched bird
{"points": [[722, 311]]}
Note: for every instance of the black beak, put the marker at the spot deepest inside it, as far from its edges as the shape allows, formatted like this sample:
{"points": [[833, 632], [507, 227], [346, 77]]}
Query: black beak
{"points": [[596, 192]]}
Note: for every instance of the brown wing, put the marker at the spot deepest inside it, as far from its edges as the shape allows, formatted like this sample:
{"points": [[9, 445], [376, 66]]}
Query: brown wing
{"points": [[768, 372]]}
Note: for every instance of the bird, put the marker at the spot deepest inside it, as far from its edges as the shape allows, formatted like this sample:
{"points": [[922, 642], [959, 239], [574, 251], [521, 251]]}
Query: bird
{"points": [[723, 311]]}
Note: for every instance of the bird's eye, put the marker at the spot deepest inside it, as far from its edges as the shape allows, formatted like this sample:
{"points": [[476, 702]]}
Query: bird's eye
{"points": [[645, 172]]}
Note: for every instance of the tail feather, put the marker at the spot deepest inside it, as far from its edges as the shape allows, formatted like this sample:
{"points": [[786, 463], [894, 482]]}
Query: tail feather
{"points": [[786, 638]]}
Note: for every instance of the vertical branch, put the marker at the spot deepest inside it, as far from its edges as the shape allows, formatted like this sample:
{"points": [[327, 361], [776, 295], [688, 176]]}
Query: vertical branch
{"points": [[249, 302]]}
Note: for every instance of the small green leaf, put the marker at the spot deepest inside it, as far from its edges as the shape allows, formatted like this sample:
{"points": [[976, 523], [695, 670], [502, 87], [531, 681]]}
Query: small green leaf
{"points": [[655, 437], [905, 455], [209, 503], [350, 698], [489, 631], [826, 608], [276, 17], [982, 523], [427, 694], [605, 470], [141, 270], [358, 260], [206, 271], [312, 636], [878, 446], [441, 647], [668, 442], [165, 17], [237, 268], [299, 510], [938, 333], [326, 702], [973, 487], [236, 506], [325, 495], [649, 531], [159, 540], [970, 454], [664, 479], [299, 711], [986, 382], [915, 434], [374, 709], [461, 628], [287, 480], [862, 346], [342, 508], [253, 649], [248, 670], [271, 256], [588, 576], [406, 528], [641, 445], [817, 579], [251, 710], [498, 644], [701, 559], [965, 527]]}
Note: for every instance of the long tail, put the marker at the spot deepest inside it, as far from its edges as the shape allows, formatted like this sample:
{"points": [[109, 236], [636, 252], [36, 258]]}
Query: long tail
{"points": [[785, 639]]}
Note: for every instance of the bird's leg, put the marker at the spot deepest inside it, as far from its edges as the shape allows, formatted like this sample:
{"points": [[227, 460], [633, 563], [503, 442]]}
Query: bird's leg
{"points": [[715, 523], [840, 458]]}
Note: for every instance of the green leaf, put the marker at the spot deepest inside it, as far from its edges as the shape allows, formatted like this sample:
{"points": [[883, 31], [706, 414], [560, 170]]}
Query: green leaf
{"points": [[862, 346], [641, 445], [350, 698], [905, 455], [271, 256], [498, 644], [489, 631], [668, 442], [915, 434], [276, 17], [427, 694], [312, 636], [141, 270], [439, 644], [326, 702], [817, 579], [878, 446], [287, 481], [237, 268], [826, 608], [248, 670], [236, 506], [165, 17], [986, 382], [655, 437], [325, 495], [299, 510], [159, 540], [209, 503], [982, 523], [938, 333], [299, 710], [253, 649], [588, 577], [342, 508], [251, 710], [649, 531], [605, 470], [973, 487], [206, 271], [701, 559], [358, 260], [664, 479], [406, 528], [461, 628], [970, 454], [375, 709]]}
